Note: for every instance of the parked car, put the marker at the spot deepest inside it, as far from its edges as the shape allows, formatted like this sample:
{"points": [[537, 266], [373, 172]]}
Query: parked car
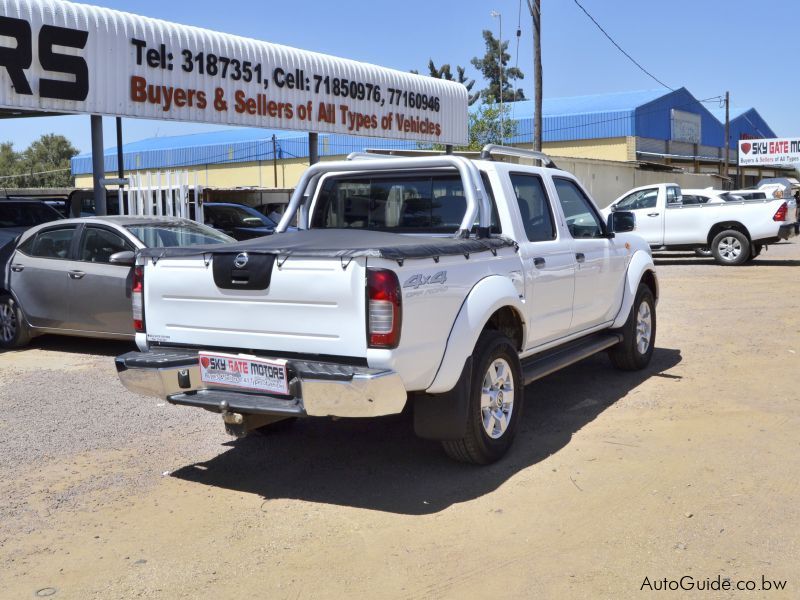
{"points": [[438, 280], [238, 221], [735, 232], [74, 276], [17, 215]]}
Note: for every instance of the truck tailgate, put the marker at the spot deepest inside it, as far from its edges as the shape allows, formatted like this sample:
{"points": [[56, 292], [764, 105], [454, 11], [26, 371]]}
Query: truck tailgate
{"points": [[310, 305]]}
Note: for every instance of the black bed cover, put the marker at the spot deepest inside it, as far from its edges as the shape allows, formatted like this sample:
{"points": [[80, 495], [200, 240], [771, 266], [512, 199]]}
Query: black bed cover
{"points": [[343, 243]]}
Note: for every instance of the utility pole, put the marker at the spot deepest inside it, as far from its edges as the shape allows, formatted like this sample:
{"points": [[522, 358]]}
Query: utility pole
{"points": [[499, 16], [275, 159], [535, 7], [727, 132]]}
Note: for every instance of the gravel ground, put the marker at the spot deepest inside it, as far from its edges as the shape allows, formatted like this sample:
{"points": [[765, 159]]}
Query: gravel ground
{"points": [[688, 468]]}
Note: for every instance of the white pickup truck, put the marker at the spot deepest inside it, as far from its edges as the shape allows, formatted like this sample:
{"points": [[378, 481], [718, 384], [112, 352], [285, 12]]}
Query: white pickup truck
{"points": [[439, 281], [732, 232]]}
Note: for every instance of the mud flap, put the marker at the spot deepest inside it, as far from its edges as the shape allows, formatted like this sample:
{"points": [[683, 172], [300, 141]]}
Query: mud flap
{"points": [[444, 416]]}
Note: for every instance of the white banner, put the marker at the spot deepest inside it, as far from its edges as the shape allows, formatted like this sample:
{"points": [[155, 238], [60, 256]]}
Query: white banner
{"points": [[775, 151], [62, 57]]}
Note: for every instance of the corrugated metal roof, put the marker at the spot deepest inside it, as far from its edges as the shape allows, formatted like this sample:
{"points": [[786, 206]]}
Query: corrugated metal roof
{"points": [[227, 146], [645, 113]]}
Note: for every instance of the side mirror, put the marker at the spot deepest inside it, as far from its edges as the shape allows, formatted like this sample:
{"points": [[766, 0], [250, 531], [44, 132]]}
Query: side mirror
{"points": [[621, 221], [125, 258]]}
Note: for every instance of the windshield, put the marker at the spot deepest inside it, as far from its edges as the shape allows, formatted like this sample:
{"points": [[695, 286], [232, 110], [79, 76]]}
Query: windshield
{"points": [[159, 235], [26, 214], [227, 216]]}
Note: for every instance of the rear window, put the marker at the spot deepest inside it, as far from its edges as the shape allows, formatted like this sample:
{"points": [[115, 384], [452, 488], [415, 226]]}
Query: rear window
{"points": [[26, 214], [410, 204], [160, 235]]}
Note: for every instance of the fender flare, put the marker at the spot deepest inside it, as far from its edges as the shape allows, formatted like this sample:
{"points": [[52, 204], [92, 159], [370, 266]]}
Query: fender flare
{"points": [[640, 264], [485, 298]]}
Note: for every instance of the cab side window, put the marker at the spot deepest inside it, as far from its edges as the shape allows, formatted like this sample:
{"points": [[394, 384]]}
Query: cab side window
{"points": [[673, 196], [638, 200], [582, 219], [99, 244], [51, 243], [534, 208]]}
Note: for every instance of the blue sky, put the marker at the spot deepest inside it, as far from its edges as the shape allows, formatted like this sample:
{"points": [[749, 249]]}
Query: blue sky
{"points": [[708, 46]]}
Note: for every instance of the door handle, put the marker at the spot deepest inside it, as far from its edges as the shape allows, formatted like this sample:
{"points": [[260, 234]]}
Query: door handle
{"points": [[653, 214], [539, 262], [76, 274], [580, 257], [17, 268]]}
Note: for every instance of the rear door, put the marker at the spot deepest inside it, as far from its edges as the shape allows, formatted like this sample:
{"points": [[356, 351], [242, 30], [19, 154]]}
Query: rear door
{"points": [[100, 296], [649, 217], [40, 278], [601, 261], [549, 263]]}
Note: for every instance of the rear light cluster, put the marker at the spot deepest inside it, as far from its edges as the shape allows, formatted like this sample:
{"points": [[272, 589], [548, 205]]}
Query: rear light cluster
{"points": [[780, 214], [137, 298], [384, 309]]}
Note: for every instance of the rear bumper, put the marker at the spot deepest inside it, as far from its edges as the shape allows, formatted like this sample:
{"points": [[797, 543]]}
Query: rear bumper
{"points": [[317, 389]]}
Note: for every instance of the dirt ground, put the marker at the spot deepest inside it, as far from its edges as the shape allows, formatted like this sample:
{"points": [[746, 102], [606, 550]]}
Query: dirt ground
{"points": [[691, 468]]}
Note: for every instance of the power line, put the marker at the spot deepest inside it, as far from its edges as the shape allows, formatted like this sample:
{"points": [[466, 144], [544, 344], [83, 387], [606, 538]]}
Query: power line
{"points": [[23, 175], [633, 60]]}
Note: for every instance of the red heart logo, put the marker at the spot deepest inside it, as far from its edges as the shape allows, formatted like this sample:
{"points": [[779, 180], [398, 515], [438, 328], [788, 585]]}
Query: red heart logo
{"points": [[204, 361], [746, 147]]}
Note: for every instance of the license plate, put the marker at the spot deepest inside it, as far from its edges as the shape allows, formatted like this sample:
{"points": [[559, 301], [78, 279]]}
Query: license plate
{"points": [[245, 372]]}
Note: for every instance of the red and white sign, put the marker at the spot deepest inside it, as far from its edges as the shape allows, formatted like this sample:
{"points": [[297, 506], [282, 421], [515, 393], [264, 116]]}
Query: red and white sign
{"points": [[775, 151], [246, 372], [62, 57]]}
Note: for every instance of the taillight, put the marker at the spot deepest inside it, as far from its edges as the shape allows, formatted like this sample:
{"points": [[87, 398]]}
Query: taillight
{"points": [[384, 309], [780, 214], [137, 298]]}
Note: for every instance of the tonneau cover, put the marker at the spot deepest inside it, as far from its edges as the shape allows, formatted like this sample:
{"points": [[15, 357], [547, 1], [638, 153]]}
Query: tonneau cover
{"points": [[343, 243]]}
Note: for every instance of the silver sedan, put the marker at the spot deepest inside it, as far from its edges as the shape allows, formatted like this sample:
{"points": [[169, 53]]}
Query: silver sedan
{"points": [[73, 276]]}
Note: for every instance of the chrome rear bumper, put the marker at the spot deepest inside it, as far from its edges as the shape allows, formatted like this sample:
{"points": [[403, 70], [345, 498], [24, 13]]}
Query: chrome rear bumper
{"points": [[317, 389]]}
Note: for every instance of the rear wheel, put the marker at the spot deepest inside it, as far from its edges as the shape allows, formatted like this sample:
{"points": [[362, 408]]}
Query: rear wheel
{"points": [[731, 247], [495, 402], [14, 330], [638, 334]]}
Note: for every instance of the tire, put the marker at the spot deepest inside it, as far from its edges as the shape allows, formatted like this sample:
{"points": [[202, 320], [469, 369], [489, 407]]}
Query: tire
{"points": [[730, 248], [635, 350], [703, 252], [14, 330], [493, 419]]}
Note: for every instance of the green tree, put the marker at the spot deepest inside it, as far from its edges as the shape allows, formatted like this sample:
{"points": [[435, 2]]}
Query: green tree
{"points": [[444, 72], [49, 156], [487, 127], [9, 163], [490, 68]]}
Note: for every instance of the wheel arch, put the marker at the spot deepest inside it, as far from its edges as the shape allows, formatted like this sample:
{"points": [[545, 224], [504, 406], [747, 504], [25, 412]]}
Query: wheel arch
{"points": [[718, 228], [640, 270], [493, 303]]}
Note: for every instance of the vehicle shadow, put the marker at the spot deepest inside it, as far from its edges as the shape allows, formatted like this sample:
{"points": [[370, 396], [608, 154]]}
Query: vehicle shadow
{"points": [[76, 345], [379, 464], [684, 259]]}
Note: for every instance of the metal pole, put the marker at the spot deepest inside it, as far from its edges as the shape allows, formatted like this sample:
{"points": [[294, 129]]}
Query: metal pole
{"points": [[120, 168], [727, 131], [275, 159], [535, 8], [313, 148], [448, 149], [98, 166]]}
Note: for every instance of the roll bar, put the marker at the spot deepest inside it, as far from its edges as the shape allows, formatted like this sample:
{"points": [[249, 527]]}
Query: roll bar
{"points": [[490, 150], [478, 204]]}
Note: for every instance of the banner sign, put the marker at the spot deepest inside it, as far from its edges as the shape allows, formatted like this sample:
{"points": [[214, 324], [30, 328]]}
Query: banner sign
{"points": [[775, 151], [63, 57], [686, 126]]}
